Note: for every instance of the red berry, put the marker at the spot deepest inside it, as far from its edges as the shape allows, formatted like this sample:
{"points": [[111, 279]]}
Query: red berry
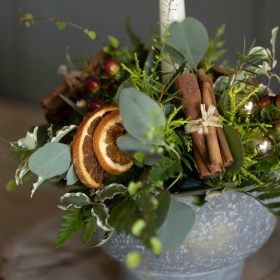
{"points": [[265, 101], [277, 126], [92, 84], [111, 67], [277, 101], [95, 103]]}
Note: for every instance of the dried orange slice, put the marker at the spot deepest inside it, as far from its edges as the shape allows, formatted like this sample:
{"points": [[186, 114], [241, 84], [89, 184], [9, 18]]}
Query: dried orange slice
{"points": [[85, 160], [110, 157]]}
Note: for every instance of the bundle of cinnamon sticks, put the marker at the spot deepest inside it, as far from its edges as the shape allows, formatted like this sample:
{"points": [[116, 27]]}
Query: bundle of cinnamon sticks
{"points": [[211, 151]]}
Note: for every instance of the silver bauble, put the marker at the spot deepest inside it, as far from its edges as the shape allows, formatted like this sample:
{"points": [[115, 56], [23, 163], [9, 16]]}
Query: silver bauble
{"points": [[264, 145]]}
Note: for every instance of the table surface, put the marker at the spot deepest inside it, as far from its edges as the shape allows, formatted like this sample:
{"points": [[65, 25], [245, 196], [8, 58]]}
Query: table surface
{"points": [[29, 227]]}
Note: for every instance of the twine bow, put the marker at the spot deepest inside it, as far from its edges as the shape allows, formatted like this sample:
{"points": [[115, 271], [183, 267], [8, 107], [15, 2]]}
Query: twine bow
{"points": [[72, 77], [208, 119]]}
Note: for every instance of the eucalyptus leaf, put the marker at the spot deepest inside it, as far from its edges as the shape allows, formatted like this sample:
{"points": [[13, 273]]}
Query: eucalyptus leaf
{"points": [[236, 148], [163, 208], [101, 212], [142, 117], [273, 39], [179, 222], [62, 132], [190, 38], [71, 176], [129, 145], [50, 160], [176, 55], [76, 200]]}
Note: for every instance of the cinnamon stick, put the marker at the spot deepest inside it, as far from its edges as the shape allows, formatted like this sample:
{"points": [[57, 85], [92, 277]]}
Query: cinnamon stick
{"points": [[191, 100], [225, 151], [211, 138]]}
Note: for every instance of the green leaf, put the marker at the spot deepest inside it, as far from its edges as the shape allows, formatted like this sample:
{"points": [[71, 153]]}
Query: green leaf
{"points": [[89, 230], [236, 148], [142, 117], [273, 39], [50, 160], [101, 212], [109, 192], [71, 176], [91, 34], [73, 223], [114, 41], [163, 208], [133, 259], [133, 187], [29, 142], [107, 236], [28, 18], [179, 222], [11, 185], [130, 145], [76, 200], [199, 200], [60, 24], [62, 132], [189, 37], [73, 105]]}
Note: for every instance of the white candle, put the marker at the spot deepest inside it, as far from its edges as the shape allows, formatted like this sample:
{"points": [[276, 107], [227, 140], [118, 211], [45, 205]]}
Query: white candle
{"points": [[177, 12]]}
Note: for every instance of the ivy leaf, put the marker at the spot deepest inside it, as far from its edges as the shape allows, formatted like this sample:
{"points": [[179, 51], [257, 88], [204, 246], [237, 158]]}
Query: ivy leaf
{"points": [[60, 24], [109, 192], [191, 38], [181, 219], [76, 200], [142, 117], [62, 132], [29, 142], [91, 34], [21, 171], [50, 160], [71, 226], [130, 145], [71, 176], [101, 212], [36, 185]]}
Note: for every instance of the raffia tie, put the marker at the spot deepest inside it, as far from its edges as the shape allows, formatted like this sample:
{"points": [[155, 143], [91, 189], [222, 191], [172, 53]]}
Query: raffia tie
{"points": [[72, 77], [208, 119]]}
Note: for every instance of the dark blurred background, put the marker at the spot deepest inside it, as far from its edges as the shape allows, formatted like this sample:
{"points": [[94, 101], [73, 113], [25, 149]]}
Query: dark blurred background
{"points": [[30, 56]]}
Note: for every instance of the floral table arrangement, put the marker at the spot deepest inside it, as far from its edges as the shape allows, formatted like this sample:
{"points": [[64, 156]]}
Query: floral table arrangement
{"points": [[134, 126]]}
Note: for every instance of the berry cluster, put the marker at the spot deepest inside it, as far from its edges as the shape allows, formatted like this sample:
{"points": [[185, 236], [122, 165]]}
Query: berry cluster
{"points": [[105, 85]]}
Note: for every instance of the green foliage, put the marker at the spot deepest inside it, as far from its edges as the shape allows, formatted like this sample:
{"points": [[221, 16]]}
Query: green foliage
{"points": [[215, 50], [91, 34], [60, 24], [11, 185]]}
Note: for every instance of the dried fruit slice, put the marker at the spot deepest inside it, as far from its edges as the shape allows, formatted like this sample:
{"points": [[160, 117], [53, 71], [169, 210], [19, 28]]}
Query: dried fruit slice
{"points": [[85, 161], [110, 157]]}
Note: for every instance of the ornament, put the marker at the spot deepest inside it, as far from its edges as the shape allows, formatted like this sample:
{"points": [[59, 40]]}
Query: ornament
{"points": [[264, 145], [250, 108]]}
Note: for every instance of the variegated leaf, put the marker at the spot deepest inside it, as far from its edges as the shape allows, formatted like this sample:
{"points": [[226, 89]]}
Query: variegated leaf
{"points": [[101, 212], [109, 192], [21, 171], [73, 199]]}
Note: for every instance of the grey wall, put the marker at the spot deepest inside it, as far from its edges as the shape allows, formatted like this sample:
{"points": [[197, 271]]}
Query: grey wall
{"points": [[30, 57]]}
